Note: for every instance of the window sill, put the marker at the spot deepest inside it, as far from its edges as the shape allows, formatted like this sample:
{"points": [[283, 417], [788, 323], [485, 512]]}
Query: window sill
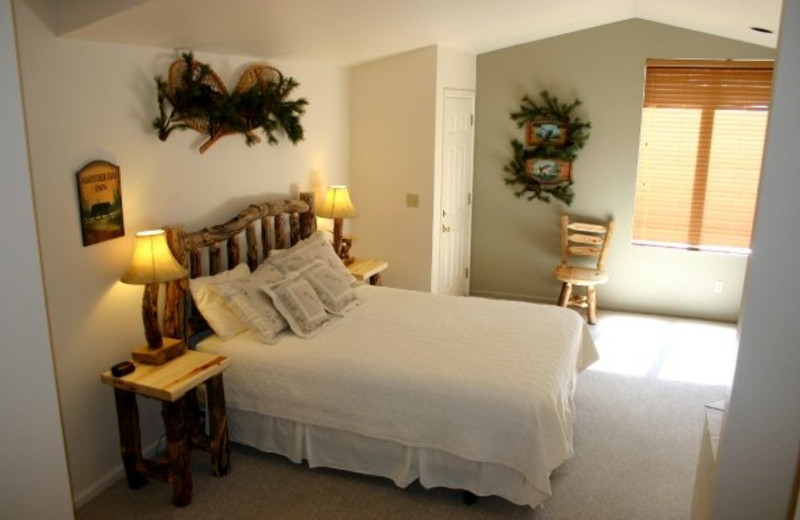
{"points": [[733, 251]]}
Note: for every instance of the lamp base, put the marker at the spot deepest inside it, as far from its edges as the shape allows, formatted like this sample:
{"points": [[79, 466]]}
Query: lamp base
{"points": [[171, 348]]}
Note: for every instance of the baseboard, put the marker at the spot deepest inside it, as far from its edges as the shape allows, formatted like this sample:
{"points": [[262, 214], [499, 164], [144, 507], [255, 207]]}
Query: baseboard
{"points": [[109, 479], [513, 296]]}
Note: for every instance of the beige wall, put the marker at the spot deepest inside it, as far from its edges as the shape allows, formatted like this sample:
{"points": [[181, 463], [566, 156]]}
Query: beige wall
{"points": [[393, 103], [86, 101], [35, 482], [395, 137], [515, 242], [758, 449]]}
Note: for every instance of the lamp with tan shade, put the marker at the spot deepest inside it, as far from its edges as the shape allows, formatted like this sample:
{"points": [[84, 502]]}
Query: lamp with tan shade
{"points": [[152, 265], [338, 206]]}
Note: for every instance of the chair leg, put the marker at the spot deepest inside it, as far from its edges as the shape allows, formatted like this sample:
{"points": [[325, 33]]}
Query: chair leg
{"points": [[591, 309], [566, 292]]}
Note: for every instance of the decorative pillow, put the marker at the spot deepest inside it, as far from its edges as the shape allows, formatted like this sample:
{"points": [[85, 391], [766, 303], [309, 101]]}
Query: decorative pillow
{"points": [[214, 308], [299, 304], [300, 255], [334, 289], [267, 273], [252, 306]]}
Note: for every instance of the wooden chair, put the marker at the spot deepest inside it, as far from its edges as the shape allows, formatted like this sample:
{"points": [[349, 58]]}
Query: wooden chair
{"points": [[583, 251]]}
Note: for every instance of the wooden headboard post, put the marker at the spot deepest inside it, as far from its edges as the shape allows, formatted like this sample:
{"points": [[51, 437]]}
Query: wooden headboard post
{"points": [[282, 223]]}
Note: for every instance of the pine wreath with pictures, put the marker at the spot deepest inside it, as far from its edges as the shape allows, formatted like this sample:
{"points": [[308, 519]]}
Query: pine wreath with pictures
{"points": [[554, 137]]}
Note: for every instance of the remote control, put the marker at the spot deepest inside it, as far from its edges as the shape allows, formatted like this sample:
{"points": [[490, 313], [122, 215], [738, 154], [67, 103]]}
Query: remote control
{"points": [[122, 369]]}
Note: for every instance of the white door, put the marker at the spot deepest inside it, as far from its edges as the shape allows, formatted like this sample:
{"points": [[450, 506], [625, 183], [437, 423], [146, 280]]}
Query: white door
{"points": [[455, 214]]}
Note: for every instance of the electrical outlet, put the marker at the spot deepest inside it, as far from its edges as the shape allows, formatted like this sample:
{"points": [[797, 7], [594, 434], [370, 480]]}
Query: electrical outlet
{"points": [[718, 286]]}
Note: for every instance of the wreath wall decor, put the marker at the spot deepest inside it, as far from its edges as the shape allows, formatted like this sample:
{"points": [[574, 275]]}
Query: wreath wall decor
{"points": [[193, 96], [542, 167]]}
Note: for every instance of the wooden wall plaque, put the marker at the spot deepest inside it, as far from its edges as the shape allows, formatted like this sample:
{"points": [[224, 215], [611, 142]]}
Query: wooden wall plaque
{"points": [[100, 199]]}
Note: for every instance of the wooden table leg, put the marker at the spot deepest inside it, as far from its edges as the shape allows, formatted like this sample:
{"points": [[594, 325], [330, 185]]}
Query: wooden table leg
{"points": [[375, 279], [218, 427], [130, 437], [178, 446]]}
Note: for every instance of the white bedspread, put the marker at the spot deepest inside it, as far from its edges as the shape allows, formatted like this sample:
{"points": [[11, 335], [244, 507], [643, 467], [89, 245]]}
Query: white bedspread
{"points": [[485, 380]]}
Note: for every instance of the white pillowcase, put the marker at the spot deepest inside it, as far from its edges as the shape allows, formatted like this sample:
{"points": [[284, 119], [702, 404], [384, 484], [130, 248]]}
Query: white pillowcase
{"points": [[213, 307], [303, 253], [252, 306], [332, 287], [299, 304]]}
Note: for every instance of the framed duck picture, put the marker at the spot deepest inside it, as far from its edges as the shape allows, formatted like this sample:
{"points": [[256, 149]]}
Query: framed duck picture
{"points": [[548, 171], [546, 132]]}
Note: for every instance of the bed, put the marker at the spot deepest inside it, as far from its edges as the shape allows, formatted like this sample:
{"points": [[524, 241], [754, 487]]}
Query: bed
{"points": [[458, 392]]}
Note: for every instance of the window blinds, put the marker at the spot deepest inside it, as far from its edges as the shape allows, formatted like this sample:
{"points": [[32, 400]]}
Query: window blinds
{"points": [[703, 128]]}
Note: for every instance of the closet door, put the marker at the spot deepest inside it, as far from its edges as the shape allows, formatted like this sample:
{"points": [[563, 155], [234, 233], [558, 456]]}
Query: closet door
{"points": [[455, 226]]}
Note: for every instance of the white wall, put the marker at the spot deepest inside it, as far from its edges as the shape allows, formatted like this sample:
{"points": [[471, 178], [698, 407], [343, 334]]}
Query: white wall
{"points": [[455, 70], [759, 449], [35, 483], [515, 243], [86, 101], [397, 105]]}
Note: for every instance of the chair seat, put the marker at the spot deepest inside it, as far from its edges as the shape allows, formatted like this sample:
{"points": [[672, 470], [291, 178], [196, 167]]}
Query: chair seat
{"points": [[580, 275]]}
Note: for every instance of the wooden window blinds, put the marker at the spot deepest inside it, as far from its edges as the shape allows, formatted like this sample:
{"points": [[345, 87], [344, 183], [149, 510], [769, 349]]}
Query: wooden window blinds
{"points": [[702, 135]]}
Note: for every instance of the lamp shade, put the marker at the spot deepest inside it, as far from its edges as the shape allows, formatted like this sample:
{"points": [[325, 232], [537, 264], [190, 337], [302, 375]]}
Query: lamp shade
{"points": [[337, 204], [152, 260]]}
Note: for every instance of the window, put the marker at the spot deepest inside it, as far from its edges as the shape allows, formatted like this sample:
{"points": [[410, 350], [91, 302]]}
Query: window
{"points": [[703, 129]]}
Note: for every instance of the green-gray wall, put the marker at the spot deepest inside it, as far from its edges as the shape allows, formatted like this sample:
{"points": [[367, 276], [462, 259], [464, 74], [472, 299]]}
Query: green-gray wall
{"points": [[515, 243]]}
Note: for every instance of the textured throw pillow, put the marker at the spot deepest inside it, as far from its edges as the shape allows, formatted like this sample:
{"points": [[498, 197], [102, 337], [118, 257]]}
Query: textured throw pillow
{"points": [[302, 254], [321, 249], [252, 306], [292, 259], [213, 307], [299, 304], [332, 287]]}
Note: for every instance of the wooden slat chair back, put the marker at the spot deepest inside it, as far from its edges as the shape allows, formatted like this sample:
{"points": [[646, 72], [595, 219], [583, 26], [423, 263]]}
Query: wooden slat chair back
{"points": [[583, 251]]}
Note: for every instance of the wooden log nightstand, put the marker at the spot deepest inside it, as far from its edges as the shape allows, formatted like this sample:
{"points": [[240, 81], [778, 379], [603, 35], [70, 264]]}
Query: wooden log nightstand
{"points": [[368, 270], [174, 384]]}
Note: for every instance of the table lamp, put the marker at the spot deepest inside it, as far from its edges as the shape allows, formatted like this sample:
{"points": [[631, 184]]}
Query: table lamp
{"points": [[152, 265], [338, 206]]}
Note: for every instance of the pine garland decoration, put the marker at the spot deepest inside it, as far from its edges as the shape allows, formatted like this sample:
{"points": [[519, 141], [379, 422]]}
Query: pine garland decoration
{"points": [[552, 110], [200, 101]]}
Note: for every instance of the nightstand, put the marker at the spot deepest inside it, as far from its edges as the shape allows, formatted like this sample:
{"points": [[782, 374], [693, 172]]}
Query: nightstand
{"points": [[368, 270], [174, 383]]}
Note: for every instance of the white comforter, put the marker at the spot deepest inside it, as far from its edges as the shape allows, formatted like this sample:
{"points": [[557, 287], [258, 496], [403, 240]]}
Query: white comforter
{"points": [[485, 380]]}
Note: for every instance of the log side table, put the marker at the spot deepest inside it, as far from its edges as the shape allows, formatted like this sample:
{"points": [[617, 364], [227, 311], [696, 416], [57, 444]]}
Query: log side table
{"points": [[368, 270], [175, 384]]}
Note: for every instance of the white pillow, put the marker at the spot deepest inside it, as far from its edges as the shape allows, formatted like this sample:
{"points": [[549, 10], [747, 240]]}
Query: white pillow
{"points": [[333, 289], [299, 304], [252, 306], [214, 308], [303, 253]]}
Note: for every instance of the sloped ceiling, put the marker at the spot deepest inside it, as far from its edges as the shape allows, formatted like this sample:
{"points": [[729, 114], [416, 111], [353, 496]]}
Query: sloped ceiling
{"points": [[352, 31]]}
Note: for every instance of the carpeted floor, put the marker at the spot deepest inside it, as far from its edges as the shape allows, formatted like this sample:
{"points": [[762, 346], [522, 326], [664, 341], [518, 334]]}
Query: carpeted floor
{"points": [[640, 417]]}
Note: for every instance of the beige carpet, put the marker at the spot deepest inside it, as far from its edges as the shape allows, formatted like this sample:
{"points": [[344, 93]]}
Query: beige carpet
{"points": [[636, 443]]}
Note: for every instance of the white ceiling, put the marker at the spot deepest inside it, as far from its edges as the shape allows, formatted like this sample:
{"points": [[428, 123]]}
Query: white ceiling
{"points": [[353, 31]]}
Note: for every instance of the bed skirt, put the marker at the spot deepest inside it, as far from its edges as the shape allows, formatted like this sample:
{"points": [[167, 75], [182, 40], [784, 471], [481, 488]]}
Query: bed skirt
{"points": [[337, 449]]}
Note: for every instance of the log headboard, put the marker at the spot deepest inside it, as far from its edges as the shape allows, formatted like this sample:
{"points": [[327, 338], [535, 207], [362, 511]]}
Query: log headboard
{"points": [[269, 225]]}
